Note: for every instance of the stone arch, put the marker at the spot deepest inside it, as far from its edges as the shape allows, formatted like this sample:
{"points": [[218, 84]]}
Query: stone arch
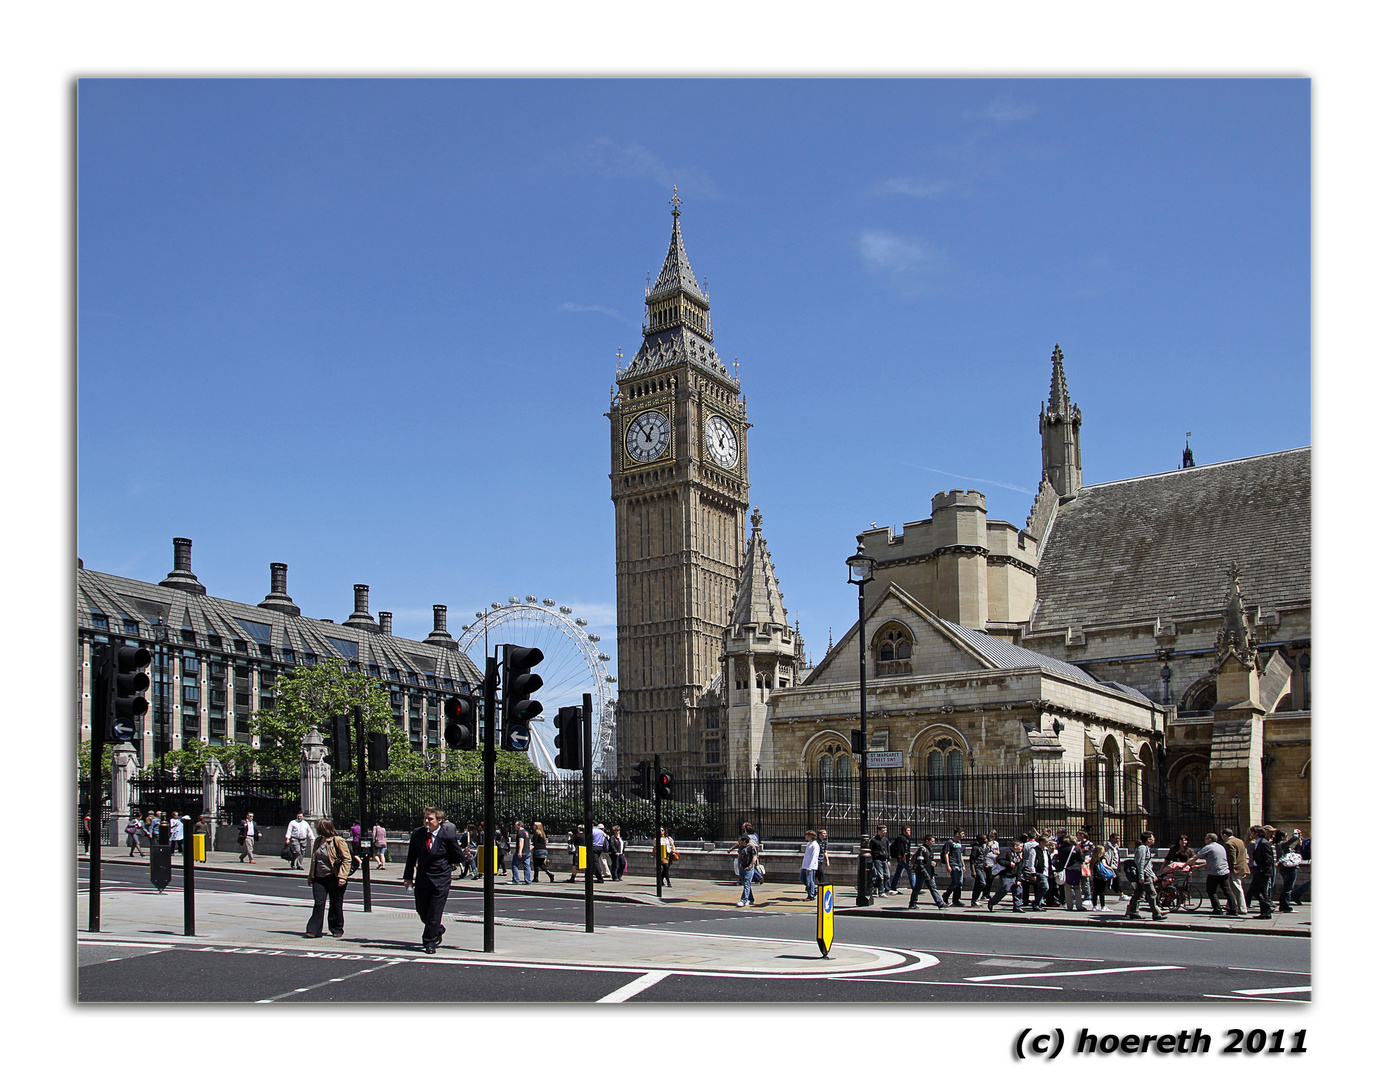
{"points": [[1111, 778], [827, 759], [1145, 775], [1199, 696], [1189, 779], [940, 753], [892, 647]]}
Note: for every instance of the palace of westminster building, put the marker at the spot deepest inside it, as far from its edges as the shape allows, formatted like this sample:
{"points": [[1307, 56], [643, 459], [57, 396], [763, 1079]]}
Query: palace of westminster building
{"points": [[1159, 620]]}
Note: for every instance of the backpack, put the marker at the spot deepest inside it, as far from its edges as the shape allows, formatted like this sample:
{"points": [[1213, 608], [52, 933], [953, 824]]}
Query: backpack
{"points": [[1131, 871]]}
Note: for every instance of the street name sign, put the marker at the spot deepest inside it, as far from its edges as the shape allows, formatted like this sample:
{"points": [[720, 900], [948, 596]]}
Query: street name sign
{"points": [[884, 759]]}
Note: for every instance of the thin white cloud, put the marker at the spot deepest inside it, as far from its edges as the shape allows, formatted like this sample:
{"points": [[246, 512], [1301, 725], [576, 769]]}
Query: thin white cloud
{"points": [[607, 157], [916, 186], [971, 479], [569, 305], [907, 262], [1006, 110]]}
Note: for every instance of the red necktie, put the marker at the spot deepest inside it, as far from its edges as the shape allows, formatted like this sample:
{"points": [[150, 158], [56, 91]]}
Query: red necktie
{"points": [[429, 843]]}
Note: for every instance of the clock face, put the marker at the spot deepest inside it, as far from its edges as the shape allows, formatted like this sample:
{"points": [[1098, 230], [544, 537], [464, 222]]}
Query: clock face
{"points": [[722, 443], [648, 436]]}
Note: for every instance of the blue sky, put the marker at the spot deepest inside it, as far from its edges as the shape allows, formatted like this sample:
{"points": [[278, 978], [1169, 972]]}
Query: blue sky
{"points": [[368, 328]]}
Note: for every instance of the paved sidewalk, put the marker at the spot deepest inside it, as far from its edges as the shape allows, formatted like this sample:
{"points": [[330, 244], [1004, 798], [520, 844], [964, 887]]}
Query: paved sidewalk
{"points": [[718, 894]]}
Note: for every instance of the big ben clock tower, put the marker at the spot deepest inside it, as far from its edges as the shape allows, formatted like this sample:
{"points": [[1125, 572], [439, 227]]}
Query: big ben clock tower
{"points": [[680, 490]]}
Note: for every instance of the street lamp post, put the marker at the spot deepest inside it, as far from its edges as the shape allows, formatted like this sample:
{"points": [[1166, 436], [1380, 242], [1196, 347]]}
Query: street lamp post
{"points": [[861, 573]]}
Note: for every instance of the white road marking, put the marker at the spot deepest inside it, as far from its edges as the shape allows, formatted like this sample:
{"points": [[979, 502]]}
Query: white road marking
{"points": [[315, 986], [1271, 1001], [1070, 974], [1274, 971], [633, 988], [1278, 990]]}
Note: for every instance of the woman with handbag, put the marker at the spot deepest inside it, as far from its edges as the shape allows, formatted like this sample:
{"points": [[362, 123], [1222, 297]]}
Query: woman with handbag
{"points": [[329, 868], [1289, 851], [747, 868], [1100, 875], [664, 853], [540, 852]]}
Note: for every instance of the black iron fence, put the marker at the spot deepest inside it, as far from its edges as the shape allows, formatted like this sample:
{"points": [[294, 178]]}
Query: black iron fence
{"points": [[713, 809], [272, 798]]}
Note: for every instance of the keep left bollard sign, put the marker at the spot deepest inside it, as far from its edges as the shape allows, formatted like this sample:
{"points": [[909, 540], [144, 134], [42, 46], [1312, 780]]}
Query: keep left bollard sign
{"points": [[824, 920]]}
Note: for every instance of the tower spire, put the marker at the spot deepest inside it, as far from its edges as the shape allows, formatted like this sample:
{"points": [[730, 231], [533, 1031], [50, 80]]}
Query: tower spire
{"points": [[1059, 426], [1060, 397]]}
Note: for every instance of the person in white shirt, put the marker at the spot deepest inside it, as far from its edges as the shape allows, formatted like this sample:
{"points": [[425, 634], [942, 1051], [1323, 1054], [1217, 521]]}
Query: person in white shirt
{"points": [[810, 862], [298, 836], [1217, 863], [176, 833]]}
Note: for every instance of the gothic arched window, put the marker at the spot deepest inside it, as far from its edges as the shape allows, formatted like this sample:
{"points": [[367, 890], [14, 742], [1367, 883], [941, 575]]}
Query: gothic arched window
{"points": [[1111, 772], [836, 779], [892, 650], [945, 767]]}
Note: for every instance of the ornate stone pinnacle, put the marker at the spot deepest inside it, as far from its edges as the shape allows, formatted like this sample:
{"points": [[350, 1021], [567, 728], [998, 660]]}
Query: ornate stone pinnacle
{"points": [[675, 201]]}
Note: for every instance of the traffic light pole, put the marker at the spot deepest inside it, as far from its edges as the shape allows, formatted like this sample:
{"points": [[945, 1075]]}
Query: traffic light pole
{"points": [[660, 846], [363, 841], [588, 813], [101, 702], [489, 826]]}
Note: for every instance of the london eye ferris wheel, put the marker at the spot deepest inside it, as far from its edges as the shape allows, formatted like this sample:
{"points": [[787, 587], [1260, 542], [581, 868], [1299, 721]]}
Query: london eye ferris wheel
{"points": [[573, 666]]}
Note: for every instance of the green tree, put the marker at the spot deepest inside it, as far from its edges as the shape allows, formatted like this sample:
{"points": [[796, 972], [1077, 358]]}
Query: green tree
{"points": [[306, 696], [84, 759], [237, 758]]}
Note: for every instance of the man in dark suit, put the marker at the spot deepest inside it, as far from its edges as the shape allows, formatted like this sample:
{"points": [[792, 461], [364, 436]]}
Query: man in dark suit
{"points": [[435, 850]]}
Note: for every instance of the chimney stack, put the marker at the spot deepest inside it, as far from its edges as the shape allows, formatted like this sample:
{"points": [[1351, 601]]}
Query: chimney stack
{"points": [[440, 634], [360, 616], [385, 622], [182, 576], [278, 598]]}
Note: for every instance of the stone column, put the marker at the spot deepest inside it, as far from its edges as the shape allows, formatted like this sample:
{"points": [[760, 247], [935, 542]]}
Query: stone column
{"points": [[214, 798], [125, 764], [314, 775]]}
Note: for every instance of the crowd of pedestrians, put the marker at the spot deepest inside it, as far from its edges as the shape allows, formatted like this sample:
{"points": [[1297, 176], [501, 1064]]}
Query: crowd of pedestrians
{"points": [[1043, 868]]}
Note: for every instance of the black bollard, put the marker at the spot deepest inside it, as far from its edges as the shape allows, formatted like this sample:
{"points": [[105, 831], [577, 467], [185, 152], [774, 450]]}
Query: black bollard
{"points": [[188, 907]]}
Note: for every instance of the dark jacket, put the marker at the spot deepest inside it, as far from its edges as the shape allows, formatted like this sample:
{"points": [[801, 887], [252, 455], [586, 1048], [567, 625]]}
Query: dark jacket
{"points": [[901, 846], [435, 863], [879, 848], [1263, 857]]}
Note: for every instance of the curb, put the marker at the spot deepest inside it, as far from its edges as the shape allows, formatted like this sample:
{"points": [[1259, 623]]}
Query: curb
{"points": [[855, 912]]}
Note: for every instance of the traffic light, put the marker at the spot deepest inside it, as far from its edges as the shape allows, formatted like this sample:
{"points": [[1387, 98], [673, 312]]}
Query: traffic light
{"points": [[339, 744], [641, 779], [518, 683], [378, 751], [460, 727], [665, 785], [569, 740], [128, 683]]}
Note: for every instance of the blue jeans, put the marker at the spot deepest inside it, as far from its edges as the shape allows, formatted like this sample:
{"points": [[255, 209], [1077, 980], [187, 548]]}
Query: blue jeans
{"points": [[808, 880], [521, 862], [957, 881], [926, 880], [745, 876], [1289, 876], [880, 876], [1007, 886], [902, 868]]}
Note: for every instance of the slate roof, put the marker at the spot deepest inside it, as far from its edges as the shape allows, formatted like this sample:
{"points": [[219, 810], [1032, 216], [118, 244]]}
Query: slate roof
{"points": [[758, 597], [676, 345], [1007, 656], [119, 598], [1160, 545]]}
